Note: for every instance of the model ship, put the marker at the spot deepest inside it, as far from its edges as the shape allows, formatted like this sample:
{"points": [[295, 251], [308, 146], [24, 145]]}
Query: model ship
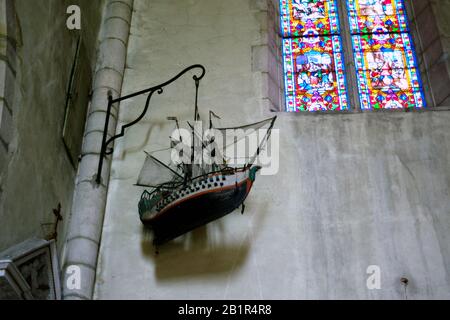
{"points": [[183, 197]]}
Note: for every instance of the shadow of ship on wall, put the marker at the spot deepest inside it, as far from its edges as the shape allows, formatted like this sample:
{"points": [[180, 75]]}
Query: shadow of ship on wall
{"points": [[191, 256]]}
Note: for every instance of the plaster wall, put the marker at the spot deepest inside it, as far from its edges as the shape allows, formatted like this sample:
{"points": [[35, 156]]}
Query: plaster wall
{"points": [[353, 190]]}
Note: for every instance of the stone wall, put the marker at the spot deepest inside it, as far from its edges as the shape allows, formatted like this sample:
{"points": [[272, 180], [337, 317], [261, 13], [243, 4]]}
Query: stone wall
{"points": [[353, 190], [431, 18], [37, 53]]}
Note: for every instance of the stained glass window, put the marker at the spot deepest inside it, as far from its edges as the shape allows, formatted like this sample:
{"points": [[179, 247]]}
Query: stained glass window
{"points": [[314, 74], [384, 55], [313, 59]]}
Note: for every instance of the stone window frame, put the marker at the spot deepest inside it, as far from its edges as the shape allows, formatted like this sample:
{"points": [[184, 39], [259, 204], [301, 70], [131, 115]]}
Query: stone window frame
{"points": [[9, 32], [267, 58]]}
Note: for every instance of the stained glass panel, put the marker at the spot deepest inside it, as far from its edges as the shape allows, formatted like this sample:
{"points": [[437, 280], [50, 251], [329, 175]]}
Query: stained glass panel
{"points": [[313, 59], [308, 18], [314, 74], [384, 55], [377, 16], [387, 74]]}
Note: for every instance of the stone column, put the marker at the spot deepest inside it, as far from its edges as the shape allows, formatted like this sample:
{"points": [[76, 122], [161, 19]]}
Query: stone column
{"points": [[83, 239]]}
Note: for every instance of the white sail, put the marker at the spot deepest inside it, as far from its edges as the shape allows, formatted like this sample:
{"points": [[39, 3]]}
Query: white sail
{"points": [[155, 173], [232, 139]]}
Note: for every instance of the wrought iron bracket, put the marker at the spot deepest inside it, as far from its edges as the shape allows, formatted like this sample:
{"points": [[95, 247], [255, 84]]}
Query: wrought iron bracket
{"points": [[150, 91]]}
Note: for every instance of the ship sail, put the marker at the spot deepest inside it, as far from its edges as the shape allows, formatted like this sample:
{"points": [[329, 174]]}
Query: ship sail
{"points": [[197, 168], [233, 135], [155, 173]]}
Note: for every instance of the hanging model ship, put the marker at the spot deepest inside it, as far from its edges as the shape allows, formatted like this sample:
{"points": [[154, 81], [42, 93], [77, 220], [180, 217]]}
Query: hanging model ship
{"points": [[185, 196], [207, 184]]}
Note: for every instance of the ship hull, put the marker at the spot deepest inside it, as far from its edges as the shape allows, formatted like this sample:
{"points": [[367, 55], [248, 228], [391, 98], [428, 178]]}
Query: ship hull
{"points": [[196, 211]]}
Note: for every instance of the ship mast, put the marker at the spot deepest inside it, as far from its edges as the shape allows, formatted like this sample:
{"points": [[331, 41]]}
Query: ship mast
{"points": [[190, 169]]}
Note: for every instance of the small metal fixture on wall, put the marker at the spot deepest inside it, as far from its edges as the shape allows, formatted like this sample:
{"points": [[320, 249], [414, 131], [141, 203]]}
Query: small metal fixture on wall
{"points": [[405, 281], [150, 91], [52, 234]]}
